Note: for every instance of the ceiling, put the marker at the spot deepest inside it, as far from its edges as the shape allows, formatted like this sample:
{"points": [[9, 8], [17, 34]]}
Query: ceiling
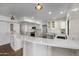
{"points": [[20, 10]]}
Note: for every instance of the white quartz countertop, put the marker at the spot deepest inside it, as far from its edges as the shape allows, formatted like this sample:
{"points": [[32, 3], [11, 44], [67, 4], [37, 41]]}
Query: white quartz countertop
{"points": [[67, 43]]}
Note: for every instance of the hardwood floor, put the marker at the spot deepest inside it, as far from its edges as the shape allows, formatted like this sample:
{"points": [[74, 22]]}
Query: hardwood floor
{"points": [[6, 50]]}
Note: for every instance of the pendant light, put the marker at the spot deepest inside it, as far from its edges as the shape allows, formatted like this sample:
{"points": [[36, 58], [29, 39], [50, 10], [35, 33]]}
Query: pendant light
{"points": [[12, 25], [38, 7], [12, 18]]}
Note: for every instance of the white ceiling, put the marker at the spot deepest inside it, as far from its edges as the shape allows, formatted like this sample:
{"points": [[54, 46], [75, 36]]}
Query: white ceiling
{"points": [[27, 10]]}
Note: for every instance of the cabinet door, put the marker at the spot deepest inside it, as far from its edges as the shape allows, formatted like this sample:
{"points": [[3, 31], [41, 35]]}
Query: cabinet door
{"points": [[16, 28], [16, 42], [12, 42]]}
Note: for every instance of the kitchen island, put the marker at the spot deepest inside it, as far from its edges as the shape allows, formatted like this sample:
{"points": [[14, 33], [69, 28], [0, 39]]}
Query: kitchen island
{"points": [[35, 46]]}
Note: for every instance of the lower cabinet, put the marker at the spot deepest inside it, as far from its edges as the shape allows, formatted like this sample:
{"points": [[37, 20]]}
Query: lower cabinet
{"points": [[16, 42]]}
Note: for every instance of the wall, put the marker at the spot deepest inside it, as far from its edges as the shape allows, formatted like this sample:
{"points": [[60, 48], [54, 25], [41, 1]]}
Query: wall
{"points": [[4, 31], [74, 25]]}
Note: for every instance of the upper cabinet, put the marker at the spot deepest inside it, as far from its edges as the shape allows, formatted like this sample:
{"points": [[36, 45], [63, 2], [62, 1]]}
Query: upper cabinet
{"points": [[58, 26]]}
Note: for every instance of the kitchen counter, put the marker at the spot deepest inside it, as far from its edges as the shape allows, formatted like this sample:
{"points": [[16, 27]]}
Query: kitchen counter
{"points": [[62, 43], [35, 46]]}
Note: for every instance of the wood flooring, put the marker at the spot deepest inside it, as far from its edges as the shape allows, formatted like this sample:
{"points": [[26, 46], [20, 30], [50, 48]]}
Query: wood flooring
{"points": [[6, 50]]}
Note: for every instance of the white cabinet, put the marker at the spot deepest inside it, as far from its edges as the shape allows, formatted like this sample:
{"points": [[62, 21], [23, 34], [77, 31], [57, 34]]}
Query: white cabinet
{"points": [[16, 42], [32, 49]]}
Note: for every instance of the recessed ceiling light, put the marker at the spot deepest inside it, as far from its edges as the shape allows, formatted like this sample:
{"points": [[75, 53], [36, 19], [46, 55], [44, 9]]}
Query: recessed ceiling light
{"points": [[49, 12], [61, 12]]}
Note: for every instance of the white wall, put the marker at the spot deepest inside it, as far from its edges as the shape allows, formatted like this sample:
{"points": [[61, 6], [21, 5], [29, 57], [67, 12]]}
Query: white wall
{"points": [[4, 30], [74, 25]]}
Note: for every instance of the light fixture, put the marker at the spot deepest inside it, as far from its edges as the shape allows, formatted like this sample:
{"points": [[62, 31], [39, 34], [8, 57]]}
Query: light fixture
{"points": [[12, 25], [49, 12], [61, 12], [38, 7], [12, 18]]}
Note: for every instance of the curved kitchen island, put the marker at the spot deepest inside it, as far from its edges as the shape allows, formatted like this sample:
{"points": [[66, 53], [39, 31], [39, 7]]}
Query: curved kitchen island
{"points": [[35, 46]]}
